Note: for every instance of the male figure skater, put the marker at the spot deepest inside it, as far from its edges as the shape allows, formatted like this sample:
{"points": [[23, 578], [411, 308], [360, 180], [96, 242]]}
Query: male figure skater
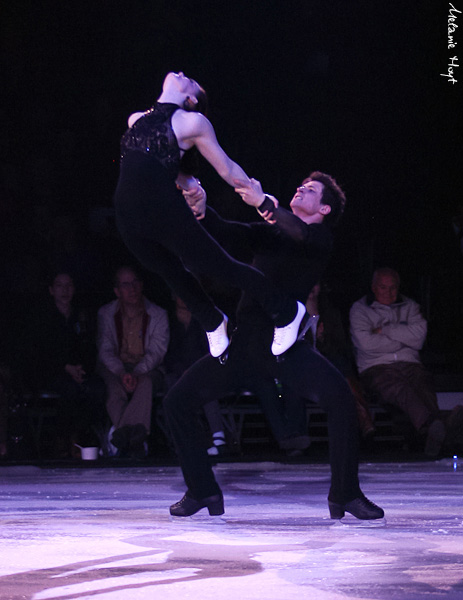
{"points": [[292, 250]]}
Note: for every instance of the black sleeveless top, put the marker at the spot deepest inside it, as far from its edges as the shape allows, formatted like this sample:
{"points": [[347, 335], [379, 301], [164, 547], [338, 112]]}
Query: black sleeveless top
{"points": [[153, 135]]}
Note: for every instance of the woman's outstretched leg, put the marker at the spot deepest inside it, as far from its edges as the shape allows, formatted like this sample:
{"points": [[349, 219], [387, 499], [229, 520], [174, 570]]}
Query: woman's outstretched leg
{"points": [[146, 227]]}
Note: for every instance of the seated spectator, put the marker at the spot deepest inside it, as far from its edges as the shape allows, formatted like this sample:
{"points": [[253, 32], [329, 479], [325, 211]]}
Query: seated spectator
{"points": [[330, 340], [188, 343], [58, 354], [388, 332], [133, 335]]}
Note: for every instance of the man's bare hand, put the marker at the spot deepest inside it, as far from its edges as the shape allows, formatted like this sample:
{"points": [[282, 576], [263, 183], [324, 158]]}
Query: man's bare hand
{"points": [[129, 382], [250, 192], [196, 199], [268, 216], [76, 372]]}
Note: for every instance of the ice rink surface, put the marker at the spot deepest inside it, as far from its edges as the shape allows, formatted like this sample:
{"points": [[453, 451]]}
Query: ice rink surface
{"points": [[105, 534]]}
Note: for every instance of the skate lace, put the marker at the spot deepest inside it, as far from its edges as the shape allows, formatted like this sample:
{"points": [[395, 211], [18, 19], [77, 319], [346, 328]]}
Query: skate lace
{"points": [[279, 334], [370, 504], [180, 502], [366, 503], [214, 336]]}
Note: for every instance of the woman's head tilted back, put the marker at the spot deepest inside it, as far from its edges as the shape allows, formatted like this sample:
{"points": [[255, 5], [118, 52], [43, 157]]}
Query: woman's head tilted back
{"points": [[194, 96], [190, 96]]}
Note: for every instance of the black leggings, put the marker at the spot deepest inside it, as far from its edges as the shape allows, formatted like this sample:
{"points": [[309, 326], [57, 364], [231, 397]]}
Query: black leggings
{"points": [[303, 370], [159, 228]]}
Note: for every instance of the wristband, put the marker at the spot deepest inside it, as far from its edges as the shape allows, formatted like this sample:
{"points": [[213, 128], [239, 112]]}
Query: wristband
{"points": [[266, 205]]}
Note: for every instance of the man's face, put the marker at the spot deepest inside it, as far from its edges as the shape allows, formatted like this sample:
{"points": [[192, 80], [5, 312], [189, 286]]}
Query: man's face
{"points": [[62, 289], [307, 199], [129, 288], [385, 289]]}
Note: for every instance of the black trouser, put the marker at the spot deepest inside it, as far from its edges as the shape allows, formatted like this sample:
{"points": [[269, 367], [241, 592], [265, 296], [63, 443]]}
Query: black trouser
{"points": [[159, 228], [303, 370]]}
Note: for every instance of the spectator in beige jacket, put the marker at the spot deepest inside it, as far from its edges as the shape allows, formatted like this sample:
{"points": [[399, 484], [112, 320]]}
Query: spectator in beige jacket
{"points": [[133, 335]]}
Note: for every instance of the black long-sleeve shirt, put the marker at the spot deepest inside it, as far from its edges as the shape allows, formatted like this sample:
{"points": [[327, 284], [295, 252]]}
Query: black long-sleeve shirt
{"points": [[291, 253], [50, 342]]}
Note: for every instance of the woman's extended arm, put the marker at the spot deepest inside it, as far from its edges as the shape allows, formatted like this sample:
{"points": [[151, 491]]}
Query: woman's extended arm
{"points": [[236, 237], [194, 129]]}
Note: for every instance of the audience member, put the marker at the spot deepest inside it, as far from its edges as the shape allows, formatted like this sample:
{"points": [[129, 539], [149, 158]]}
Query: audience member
{"points": [[188, 343], [388, 332], [58, 354], [133, 335], [330, 339]]}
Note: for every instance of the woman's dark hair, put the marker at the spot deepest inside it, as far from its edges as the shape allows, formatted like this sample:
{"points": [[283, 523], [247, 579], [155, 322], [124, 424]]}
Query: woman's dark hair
{"points": [[332, 195], [202, 104], [54, 271]]}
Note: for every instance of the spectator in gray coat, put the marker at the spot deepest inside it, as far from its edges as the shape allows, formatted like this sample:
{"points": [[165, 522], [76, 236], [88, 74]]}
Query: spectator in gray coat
{"points": [[388, 332]]}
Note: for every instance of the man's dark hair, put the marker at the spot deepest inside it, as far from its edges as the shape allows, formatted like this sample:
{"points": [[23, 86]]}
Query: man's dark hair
{"points": [[333, 196]]}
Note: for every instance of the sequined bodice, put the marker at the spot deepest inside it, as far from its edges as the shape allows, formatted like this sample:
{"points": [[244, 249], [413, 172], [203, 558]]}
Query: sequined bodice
{"points": [[152, 134]]}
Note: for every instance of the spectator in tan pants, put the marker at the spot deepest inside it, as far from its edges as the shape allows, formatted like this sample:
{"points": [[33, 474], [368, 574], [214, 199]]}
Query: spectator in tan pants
{"points": [[133, 335]]}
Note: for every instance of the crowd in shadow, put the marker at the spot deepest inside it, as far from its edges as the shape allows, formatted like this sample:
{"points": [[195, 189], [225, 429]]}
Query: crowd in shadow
{"points": [[88, 337]]}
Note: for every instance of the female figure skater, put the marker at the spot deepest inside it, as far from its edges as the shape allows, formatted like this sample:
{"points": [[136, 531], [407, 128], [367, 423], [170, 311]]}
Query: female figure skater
{"points": [[158, 226]]}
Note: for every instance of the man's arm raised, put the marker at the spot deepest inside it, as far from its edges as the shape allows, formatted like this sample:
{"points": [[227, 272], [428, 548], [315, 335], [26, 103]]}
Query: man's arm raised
{"points": [[268, 207]]}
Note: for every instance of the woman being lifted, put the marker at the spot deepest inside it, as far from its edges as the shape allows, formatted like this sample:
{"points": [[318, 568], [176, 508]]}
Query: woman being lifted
{"points": [[161, 230]]}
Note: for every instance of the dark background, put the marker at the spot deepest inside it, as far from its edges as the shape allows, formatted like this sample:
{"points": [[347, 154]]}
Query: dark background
{"points": [[352, 88]]}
